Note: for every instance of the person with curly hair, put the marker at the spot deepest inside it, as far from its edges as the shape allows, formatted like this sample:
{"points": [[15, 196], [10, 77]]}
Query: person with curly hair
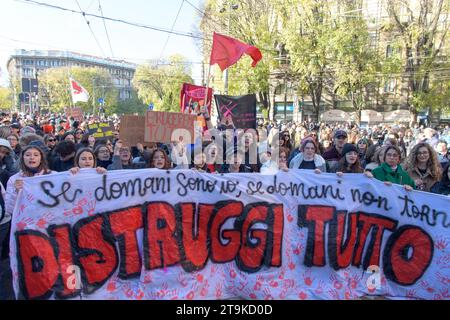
{"points": [[423, 166]]}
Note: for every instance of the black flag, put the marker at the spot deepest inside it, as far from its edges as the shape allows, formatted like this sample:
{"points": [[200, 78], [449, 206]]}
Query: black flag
{"points": [[241, 109]]}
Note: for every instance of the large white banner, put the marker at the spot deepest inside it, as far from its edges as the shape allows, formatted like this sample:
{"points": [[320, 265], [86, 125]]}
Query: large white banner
{"points": [[152, 234]]}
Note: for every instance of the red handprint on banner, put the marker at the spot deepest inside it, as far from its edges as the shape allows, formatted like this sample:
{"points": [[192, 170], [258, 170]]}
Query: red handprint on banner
{"points": [[43, 221], [299, 249], [426, 286], [319, 289], [219, 292], [147, 278], [441, 244], [267, 296], [182, 279], [337, 284], [307, 278], [302, 295], [21, 225], [443, 279]]}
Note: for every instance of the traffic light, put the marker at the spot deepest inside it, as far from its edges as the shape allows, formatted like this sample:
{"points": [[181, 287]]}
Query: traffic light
{"points": [[30, 85]]}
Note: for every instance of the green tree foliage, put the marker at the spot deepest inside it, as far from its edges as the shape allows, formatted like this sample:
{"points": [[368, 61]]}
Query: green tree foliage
{"points": [[356, 63], [161, 84], [54, 88], [253, 22], [308, 28], [6, 102], [423, 28], [129, 106]]}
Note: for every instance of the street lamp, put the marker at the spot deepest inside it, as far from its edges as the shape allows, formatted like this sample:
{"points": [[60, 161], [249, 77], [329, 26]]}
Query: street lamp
{"points": [[230, 7]]}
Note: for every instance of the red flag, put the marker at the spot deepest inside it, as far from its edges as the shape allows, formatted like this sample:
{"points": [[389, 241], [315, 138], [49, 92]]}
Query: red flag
{"points": [[227, 51]]}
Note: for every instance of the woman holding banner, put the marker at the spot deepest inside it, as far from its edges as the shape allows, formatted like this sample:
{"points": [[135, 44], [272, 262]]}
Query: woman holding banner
{"points": [[350, 162], [84, 159], [308, 158], [390, 171], [102, 155], [423, 166], [32, 163]]}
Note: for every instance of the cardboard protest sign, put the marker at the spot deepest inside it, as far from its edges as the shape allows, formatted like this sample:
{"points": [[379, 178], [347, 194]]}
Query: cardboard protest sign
{"points": [[101, 130], [132, 130], [241, 110], [75, 112], [166, 127], [157, 234]]}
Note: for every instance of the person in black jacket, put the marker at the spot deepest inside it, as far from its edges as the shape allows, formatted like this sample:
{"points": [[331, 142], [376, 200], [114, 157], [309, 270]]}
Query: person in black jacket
{"points": [[6, 289], [65, 155], [103, 155], [443, 186], [8, 166]]}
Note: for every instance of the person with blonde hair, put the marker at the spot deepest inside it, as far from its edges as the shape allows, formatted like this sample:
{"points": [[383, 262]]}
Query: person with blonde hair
{"points": [[423, 166]]}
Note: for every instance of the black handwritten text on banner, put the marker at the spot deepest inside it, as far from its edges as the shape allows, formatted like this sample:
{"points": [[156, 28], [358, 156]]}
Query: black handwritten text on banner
{"points": [[151, 234]]}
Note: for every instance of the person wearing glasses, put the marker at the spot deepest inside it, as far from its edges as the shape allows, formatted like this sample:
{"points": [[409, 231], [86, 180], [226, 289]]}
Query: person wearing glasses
{"points": [[50, 142], [78, 136], [122, 158], [13, 140], [286, 136], [423, 166], [390, 171], [103, 156]]}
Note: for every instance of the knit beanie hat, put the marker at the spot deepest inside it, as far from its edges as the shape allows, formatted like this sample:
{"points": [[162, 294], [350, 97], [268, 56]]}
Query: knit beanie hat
{"points": [[348, 147]]}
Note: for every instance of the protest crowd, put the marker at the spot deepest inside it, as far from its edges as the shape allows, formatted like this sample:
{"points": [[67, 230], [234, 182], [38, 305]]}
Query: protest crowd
{"points": [[31, 145]]}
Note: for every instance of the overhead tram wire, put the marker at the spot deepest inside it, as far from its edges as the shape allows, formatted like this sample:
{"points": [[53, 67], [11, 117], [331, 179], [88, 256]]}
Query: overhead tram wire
{"points": [[135, 24], [90, 28], [168, 36], [377, 74], [204, 14], [106, 30]]}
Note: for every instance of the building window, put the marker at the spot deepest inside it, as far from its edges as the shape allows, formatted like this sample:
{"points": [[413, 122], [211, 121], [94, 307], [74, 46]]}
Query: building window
{"points": [[279, 89], [389, 86], [390, 51]]}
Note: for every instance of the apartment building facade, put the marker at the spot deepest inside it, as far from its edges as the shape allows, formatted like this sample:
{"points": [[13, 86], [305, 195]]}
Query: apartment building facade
{"points": [[29, 63]]}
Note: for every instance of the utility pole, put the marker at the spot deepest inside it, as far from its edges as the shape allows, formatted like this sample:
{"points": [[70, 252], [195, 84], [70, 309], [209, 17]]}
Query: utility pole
{"points": [[93, 96], [285, 95], [230, 7]]}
